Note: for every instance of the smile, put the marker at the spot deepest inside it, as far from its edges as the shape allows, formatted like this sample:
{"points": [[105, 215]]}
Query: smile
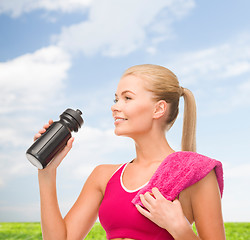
{"points": [[117, 120]]}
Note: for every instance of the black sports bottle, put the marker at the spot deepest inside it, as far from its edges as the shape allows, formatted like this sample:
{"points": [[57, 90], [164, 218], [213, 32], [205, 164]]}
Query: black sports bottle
{"points": [[43, 150]]}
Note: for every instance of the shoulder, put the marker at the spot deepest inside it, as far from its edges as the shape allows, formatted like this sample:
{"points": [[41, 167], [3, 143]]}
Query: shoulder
{"points": [[205, 194], [193, 167], [202, 165], [102, 173], [205, 186], [105, 170], [197, 164]]}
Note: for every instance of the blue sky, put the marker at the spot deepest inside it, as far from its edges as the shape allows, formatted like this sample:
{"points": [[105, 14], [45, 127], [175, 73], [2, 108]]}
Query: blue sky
{"points": [[56, 54]]}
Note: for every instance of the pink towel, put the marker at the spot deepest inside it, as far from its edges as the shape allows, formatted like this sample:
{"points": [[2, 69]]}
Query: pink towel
{"points": [[179, 171]]}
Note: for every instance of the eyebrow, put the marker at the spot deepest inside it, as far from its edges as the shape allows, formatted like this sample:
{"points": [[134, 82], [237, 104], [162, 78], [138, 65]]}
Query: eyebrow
{"points": [[124, 92]]}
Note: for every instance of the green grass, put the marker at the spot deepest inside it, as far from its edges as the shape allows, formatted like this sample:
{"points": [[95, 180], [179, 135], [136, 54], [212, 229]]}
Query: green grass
{"points": [[27, 231], [237, 231], [32, 231]]}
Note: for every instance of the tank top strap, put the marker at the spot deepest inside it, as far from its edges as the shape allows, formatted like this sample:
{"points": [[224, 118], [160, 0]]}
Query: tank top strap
{"points": [[117, 172]]}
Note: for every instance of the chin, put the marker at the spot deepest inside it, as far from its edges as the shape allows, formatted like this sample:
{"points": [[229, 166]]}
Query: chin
{"points": [[117, 133], [121, 133]]}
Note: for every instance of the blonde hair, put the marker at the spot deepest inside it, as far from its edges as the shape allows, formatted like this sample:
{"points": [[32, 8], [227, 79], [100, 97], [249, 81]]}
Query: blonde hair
{"points": [[165, 86]]}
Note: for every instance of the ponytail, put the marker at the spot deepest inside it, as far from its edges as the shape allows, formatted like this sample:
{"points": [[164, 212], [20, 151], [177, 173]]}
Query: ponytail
{"points": [[188, 142]]}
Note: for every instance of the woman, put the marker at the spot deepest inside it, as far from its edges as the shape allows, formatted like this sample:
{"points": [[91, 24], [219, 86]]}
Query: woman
{"points": [[146, 105]]}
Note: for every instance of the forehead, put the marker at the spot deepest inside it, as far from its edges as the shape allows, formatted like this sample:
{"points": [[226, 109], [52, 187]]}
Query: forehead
{"points": [[131, 83]]}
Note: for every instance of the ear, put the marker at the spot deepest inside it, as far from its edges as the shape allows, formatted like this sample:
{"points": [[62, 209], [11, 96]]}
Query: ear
{"points": [[160, 109]]}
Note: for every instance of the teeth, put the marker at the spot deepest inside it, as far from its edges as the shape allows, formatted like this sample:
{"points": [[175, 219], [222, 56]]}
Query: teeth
{"points": [[120, 119]]}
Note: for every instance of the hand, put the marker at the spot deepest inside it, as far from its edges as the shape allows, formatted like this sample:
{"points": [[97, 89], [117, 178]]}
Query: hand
{"points": [[59, 156], [43, 130], [164, 213]]}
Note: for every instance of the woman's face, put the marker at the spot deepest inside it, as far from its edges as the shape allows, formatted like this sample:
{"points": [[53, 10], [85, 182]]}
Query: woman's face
{"points": [[134, 107]]}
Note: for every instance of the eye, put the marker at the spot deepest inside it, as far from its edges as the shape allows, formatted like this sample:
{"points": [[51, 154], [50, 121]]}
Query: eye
{"points": [[115, 100], [127, 98]]}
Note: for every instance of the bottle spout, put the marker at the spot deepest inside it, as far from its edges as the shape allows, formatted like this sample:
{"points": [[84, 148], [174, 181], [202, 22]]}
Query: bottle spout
{"points": [[79, 111]]}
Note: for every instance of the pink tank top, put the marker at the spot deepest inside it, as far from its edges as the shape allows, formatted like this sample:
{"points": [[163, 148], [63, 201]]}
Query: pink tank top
{"points": [[120, 218]]}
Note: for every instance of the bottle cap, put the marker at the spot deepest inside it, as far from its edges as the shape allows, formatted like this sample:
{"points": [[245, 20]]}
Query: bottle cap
{"points": [[71, 114]]}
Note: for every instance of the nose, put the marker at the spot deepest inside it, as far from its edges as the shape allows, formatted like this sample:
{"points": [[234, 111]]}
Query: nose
{"points": [[115, 107]]}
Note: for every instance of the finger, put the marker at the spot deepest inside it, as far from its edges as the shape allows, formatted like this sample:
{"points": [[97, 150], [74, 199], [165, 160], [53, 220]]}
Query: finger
{"points": [[149, 197], [70, 142], [37, 136], [46, 126], [143, 211], [145, 203], [176, 202], [43, 130], [157, 193], [67, 148], [61, 155]]}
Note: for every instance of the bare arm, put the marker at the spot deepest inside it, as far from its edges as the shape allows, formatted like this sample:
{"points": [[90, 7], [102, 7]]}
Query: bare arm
{"points": [[53, 225], [83, 214], [206, 205]]}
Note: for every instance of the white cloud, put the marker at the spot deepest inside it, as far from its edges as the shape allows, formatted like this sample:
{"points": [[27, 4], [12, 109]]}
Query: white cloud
{"points": [[18, 7], [236, 183], [12, 165], [241, 95], [28, 83], [236, 208], [116, 28], [239, 171], [113, 28], [216, 63], [225, 98], [32, 80], [19, 212], [218, 75], [1, 182], [8, 135]]}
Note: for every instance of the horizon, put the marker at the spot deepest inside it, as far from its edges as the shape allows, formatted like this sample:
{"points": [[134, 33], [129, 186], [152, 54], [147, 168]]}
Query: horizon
{"points": [[57, 54]]}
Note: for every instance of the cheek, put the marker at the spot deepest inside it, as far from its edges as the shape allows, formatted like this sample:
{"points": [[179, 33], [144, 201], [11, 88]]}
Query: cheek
{"points": [[142, 115], [139, 121]]}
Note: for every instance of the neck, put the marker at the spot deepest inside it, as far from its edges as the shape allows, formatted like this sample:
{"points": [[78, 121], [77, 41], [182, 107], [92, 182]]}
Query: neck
{"points": [[151, 148]]}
